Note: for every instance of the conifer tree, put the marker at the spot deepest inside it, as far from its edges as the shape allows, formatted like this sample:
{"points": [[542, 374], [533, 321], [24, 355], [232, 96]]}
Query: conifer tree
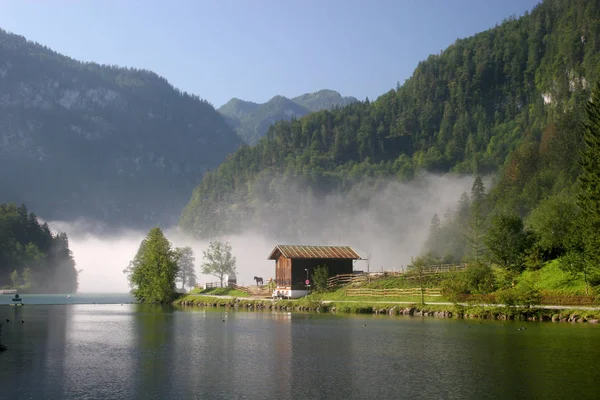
{"points": [[589, 179], [476, 228]]}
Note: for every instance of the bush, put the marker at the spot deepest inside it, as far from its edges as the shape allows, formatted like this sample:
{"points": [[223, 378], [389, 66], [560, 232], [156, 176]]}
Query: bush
{"points": [[454, 288], [479, 278], [319, 276], [524, 295]]}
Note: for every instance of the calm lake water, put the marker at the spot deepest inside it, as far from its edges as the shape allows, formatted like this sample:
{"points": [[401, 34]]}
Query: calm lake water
{"points": [[130, 351]]}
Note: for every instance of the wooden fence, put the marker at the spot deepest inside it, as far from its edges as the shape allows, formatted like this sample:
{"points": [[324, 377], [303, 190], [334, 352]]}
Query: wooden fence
{"points": [[212, 285], [345, 279], [443, 268], [430, 292], [240, 288]]}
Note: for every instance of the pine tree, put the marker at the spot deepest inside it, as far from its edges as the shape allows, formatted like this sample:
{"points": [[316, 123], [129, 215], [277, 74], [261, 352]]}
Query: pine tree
{"points": [[476, 227], [589, 179], [433, 239]]}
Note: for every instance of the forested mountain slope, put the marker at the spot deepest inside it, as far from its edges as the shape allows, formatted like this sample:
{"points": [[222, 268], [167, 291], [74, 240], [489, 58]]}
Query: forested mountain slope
{"points": [[83, 140], [509, 93], [252, 120]]}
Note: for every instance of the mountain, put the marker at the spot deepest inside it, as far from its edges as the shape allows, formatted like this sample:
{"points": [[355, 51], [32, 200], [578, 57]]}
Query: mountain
{"points": [[117, 145], [503, 102], [323, 100], [251, 120]]}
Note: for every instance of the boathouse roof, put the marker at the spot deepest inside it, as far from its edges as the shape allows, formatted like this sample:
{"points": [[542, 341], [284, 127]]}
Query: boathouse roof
{"points": [[321, 252]]}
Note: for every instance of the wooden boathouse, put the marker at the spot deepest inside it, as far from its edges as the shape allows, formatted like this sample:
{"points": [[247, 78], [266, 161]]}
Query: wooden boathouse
{"points": [[295, 265]]}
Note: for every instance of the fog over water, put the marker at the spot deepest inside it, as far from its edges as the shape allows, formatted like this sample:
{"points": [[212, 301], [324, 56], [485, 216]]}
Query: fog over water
{"points": [[391, 229]]}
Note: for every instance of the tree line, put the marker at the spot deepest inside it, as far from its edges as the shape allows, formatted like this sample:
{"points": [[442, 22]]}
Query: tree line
{"points": [[500, 102], [564, 225], [157, 267], [32, 258]]}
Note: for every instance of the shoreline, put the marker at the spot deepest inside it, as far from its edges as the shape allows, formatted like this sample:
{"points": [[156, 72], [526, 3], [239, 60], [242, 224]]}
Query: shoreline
{"points": [[457, 311]]}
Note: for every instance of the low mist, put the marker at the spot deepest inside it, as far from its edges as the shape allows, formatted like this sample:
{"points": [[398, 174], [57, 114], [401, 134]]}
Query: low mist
{"points": [[391, 226]]}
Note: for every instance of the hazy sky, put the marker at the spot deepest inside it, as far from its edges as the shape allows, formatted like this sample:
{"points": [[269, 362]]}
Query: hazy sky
{"points": [[255, 49]]}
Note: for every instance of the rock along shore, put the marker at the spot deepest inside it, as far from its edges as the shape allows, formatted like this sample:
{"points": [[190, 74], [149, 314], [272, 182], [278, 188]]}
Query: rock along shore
{"points": [[416, 310]]}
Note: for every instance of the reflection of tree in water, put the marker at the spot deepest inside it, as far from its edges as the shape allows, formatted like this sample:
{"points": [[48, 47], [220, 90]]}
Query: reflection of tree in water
{"points": [[154, 336]]}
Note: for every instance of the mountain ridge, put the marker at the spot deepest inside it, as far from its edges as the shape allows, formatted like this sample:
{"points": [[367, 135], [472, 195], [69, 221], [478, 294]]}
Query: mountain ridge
{"points": [[251, 120], [492, 103], [84, 140]]}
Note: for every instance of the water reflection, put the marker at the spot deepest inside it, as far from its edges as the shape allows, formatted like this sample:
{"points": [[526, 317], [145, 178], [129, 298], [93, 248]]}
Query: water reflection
{"points": [[153, 352], [154, 349], [36, 349]]}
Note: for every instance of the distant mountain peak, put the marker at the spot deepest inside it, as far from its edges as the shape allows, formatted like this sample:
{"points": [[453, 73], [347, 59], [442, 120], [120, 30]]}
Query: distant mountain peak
{"points": [[252, 120]]}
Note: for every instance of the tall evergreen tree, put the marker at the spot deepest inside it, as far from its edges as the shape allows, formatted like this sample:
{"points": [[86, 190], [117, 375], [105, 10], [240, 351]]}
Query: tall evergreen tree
{"points": [[589, 179], [433, 238], [476, 227]]}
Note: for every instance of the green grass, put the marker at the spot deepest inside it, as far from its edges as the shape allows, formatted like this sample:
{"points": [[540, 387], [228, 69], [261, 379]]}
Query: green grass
{"points": [[340, 295], [219, 292], [557, 287], [225, 292], [552, 280], [401, 282]]}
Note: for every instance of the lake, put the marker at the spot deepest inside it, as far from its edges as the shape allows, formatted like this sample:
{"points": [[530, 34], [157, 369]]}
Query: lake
{"points": [[131, 351]]}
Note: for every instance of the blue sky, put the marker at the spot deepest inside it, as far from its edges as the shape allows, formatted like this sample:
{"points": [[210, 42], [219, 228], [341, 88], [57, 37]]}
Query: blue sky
{"points": [[256, 49]]}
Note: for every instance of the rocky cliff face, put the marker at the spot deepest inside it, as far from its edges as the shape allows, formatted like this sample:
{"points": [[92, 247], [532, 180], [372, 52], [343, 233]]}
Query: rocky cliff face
{"points": [[80, 140]]}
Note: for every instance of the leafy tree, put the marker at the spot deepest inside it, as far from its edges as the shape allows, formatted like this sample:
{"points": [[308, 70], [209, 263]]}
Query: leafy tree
{"points": [[218, 260], [15, 279], [552, 221], [507, 241], [417, 270], [28, 279], [479, 278], [186, 271], [152, 272], [577, 264], [319, 278]]}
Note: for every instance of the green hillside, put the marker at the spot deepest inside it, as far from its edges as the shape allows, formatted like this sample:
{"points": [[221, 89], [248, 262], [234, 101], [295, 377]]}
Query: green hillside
{"points": [[504, 102]]}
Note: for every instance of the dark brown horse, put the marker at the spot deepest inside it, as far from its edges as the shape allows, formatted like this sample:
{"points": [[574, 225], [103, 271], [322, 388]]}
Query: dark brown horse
{"points": [[258, 280]]}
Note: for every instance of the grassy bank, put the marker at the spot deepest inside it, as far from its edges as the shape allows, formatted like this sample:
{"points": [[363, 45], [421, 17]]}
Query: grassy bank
{"points": [[549, 285], [219, 292], [426, 310]]}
